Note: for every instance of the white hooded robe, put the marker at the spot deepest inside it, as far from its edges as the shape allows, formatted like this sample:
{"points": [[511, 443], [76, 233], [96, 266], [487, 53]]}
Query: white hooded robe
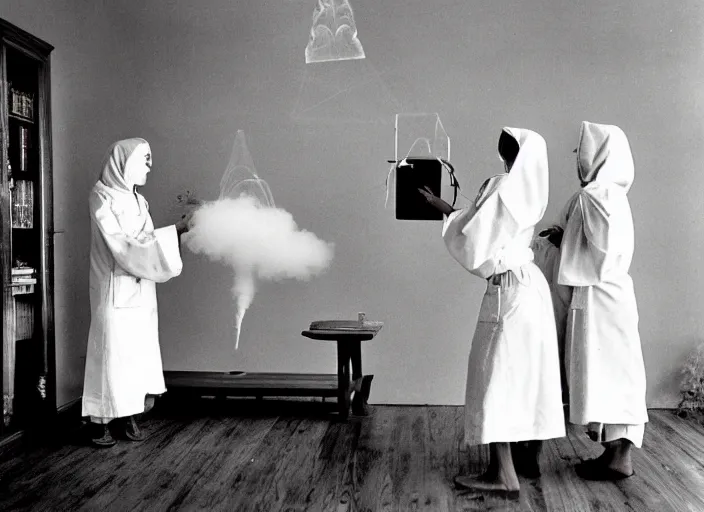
{"points": [[128, 256], [604, 360], [513, 378]]}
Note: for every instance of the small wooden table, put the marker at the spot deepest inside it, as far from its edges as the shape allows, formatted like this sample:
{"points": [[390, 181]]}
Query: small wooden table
{"points": [[349, 350], [341, 385]]}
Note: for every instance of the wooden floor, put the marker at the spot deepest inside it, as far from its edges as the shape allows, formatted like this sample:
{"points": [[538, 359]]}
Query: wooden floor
{"points": [[236, 457]]}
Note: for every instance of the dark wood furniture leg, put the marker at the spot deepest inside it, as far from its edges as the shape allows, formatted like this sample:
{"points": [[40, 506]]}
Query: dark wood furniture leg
{"points": [[343, 380], [360, 383]]}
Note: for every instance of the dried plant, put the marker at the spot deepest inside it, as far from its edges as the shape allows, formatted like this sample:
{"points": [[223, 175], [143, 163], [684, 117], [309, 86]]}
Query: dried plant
{"points": [[188, 199], [692, 385]]}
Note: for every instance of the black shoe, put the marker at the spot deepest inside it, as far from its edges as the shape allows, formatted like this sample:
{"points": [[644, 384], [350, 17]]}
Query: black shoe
{"points": [[100, 435], [132, 431]]}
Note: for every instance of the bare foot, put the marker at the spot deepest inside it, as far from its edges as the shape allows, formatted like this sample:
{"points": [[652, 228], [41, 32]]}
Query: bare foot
{"points": [[622, 464], [605, 457], [613, 464], [615, 458], [600, 472], [602, 460]]}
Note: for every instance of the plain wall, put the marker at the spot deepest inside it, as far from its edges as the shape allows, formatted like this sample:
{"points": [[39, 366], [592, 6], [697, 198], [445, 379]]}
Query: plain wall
{"points": [[187, 77]]}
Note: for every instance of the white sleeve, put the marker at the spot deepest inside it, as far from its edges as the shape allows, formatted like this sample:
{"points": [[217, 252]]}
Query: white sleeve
{"points": [[155, 257]]}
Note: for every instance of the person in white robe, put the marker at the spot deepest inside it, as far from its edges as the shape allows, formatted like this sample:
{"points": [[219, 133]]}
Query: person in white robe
{"points": [[127, 258], [546, 248], [604, 360], [513, 376]]}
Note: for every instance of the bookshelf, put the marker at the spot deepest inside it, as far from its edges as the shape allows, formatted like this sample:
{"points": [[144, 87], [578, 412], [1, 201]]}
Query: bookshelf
{"points": [[26, 231]]}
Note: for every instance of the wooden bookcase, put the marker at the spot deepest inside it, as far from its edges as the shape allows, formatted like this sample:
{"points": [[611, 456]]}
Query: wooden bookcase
{"points": [[26, 231]]}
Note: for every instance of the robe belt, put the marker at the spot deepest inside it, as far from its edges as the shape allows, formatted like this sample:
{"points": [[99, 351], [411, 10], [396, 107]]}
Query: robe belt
{"points": [[511, 259]]}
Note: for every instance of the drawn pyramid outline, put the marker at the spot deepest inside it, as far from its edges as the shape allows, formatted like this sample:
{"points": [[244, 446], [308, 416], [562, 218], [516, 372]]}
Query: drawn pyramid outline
{"points": [[241, 175], [351, 91]]}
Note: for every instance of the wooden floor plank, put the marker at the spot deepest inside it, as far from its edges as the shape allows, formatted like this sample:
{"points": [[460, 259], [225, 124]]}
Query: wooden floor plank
{"points": [[419, 481], [329, 482], [280, 462], [659, 483], [240, 455], [564, 490], [672, 473], [617, 494], [130, 482], [445, 435], [53, 453], [690, 433], [446, 457], [560, 491], [220, 467], [84, 473], [182, 459], [531, 497], [407, 459], [372, 485], [185, 464]]}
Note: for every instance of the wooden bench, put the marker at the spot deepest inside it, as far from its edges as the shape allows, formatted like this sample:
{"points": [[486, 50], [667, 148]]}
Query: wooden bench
{"points": [[349, 385]]}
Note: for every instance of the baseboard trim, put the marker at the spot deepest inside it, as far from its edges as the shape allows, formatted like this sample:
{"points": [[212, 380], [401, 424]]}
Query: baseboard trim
{"points": [[67, 419], [68, 415], [11, 445]]}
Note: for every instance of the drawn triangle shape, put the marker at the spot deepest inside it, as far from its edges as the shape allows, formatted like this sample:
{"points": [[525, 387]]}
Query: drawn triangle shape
{"points": [[344, 92]]}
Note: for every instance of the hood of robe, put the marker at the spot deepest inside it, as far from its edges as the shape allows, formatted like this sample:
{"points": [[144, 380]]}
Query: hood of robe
{"points": [[598, 224], [524, 189], [488, 188], [113, 173], [604, 155], [494, 236], [113, 187]]}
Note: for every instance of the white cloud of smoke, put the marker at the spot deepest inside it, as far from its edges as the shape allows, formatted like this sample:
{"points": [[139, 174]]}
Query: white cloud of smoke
{"points": [[258, 242]]}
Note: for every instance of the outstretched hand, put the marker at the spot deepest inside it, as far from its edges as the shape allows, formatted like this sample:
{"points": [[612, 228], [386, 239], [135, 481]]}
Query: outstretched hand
{"points": [[553, 234], [435, 201], [183, 225]]}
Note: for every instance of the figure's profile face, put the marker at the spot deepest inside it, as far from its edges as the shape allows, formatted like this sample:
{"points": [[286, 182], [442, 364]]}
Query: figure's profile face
{"points": [[138, 165]]}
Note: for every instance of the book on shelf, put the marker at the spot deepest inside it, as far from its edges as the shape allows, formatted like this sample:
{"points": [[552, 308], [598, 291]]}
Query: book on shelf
{"points": [[23, 271], [23, 289], [21, 103], [24, 280], [24, 275], [24, 148]]}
